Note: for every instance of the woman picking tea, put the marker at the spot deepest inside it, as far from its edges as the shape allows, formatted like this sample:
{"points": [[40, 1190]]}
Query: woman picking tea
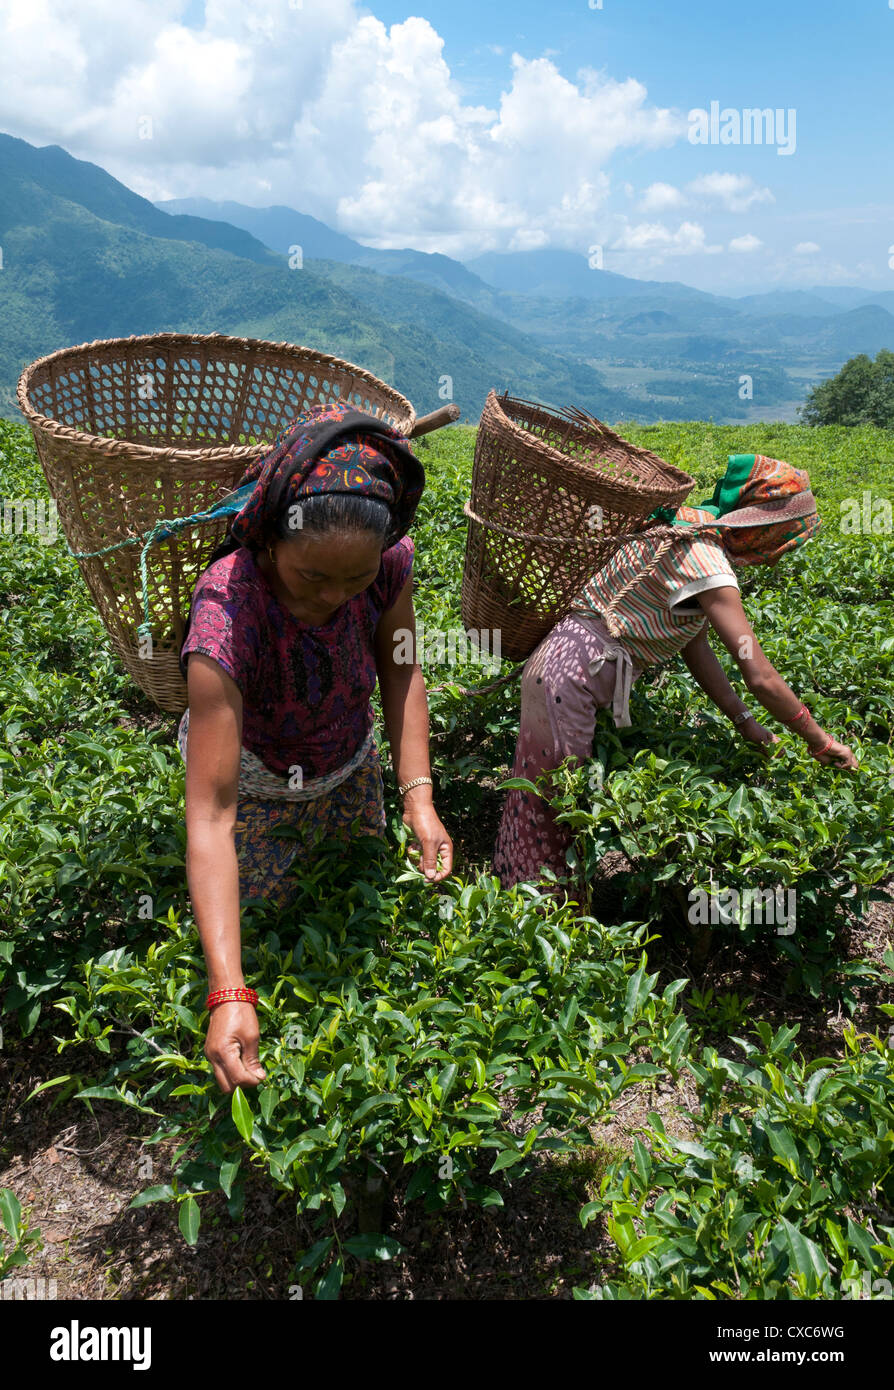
{"points": [[660, 594], [291, 624]]}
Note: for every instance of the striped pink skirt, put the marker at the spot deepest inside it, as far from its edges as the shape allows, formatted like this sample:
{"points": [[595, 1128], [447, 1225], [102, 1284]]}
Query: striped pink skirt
{"points": [[577, 670]]}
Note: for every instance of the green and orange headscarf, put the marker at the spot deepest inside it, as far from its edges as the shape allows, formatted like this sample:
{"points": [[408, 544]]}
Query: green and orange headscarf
{"points": [[761, 506]]}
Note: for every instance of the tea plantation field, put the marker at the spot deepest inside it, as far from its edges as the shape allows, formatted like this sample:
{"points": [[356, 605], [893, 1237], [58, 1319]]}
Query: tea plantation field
{"points": [[471, 1092]]}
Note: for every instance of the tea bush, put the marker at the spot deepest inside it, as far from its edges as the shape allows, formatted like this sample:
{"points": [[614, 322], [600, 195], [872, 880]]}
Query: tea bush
{"points": [[90, 814], [787, 1193], [687, 826], [402, 1032], [441, 1043]]}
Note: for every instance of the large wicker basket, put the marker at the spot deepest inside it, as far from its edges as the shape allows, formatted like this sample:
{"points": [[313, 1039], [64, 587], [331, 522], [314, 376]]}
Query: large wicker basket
{"points": [[130, 431], [553, 495]]}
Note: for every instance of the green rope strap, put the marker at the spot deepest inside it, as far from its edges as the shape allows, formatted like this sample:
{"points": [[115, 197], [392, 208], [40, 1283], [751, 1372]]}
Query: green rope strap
{"points": [[162, 530], [477, 690]]}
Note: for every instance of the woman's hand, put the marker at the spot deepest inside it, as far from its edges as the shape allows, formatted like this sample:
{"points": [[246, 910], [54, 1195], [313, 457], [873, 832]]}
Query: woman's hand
{"points": [[727, 616], [433, 839], [836, 755], [756, 733], [232, 1046], [405, 711]]}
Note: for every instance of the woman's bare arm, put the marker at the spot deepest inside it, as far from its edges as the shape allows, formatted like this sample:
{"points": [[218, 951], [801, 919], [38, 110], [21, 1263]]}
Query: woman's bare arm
{"points": [[213, 755], [405, 710], [707, 670], [710, 675], [726, 615]]}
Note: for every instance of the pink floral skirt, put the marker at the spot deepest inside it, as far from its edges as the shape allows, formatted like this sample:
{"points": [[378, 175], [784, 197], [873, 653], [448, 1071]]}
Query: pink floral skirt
{"points": [[560, 698]]}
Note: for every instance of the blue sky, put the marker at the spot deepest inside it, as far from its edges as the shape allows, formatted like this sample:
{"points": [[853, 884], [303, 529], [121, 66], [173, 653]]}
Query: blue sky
{"points": [[833, 62], [466, 126]]}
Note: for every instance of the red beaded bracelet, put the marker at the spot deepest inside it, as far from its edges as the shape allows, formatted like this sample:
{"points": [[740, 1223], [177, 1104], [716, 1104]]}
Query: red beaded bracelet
{"points": [[803, 712], [232, 996], [816, 753]]}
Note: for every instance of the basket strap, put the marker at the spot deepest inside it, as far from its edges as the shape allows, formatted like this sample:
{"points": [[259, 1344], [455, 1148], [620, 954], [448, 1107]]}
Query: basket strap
{"points": [[163, 531], [663, 546], [530, 536], [476, 690]]}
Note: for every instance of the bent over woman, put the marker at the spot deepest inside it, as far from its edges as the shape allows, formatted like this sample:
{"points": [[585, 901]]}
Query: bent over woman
{"points": [[659, 595], [291, 624]]}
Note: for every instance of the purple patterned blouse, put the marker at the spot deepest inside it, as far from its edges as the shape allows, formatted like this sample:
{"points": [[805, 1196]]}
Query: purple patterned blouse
{"points": [[305, 690]]}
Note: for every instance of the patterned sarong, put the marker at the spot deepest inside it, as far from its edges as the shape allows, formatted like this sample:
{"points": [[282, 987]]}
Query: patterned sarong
{"points": [[352, 805]]}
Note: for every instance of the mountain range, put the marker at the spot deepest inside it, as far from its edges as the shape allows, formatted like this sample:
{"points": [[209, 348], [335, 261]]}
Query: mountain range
{"points": [[86, 257]]}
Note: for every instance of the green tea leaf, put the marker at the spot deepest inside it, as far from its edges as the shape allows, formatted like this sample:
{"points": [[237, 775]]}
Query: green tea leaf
{"points": [[189, 1220], [242, 1114], [10, 1211], [373, 1247], [228, 1171], [161, 1193], [329, 1287]]}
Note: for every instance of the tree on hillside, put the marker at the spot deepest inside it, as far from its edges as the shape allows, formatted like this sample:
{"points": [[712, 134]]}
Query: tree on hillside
{"points": [[861, 394]]}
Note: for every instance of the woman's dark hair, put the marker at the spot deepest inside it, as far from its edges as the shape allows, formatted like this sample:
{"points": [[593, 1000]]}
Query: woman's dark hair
{"points": [[325, 512]]}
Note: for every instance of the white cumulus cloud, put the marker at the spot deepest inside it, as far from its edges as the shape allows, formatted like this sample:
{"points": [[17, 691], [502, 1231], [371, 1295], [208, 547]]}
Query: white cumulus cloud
{"points": [[323, 107], [734, 192], [745, 244], [651, 236], [659, 197]]}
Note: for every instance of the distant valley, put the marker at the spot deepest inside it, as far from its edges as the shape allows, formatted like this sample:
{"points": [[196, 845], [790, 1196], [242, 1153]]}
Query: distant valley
{"points": [[85, 257]]}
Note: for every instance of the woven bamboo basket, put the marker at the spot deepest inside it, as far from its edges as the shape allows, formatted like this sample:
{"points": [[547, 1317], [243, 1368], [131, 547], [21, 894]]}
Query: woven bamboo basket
{"points": [[554, 492], [130, 431]]}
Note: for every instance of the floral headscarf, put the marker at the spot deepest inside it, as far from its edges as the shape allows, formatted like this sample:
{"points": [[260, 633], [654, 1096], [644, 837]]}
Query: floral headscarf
{"points": [[761, 507], [332, 448]]}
